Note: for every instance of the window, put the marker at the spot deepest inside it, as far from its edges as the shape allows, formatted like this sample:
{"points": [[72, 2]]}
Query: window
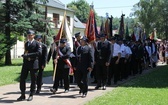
{"points": [[56, 19], [69, 20]]}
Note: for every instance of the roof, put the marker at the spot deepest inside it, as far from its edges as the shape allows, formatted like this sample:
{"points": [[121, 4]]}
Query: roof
{"points": [[55, 4], [78, 23]]}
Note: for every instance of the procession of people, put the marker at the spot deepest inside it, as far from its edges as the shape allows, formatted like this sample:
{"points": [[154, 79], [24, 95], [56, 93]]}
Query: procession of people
{"points": [[107, 60]]}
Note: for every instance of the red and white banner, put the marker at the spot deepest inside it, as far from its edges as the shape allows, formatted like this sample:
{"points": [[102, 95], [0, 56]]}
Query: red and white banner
{"points": [[67, 61]]}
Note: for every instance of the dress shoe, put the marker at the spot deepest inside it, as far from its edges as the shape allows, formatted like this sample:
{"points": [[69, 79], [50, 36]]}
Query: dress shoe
{"points": [[38, 91], [21, 98], [66, 91], [80, 91], [84, 95], [104, 88], [30, 98], [97, 87], [53, 90]]}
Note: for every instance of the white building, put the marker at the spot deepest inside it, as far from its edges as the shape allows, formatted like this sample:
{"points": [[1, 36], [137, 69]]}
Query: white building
{"points": [[55, 11]]}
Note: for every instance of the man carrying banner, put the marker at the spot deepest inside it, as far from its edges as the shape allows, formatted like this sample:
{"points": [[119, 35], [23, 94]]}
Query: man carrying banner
{"points": [[63, 67], [103, 53], [85, 62]]}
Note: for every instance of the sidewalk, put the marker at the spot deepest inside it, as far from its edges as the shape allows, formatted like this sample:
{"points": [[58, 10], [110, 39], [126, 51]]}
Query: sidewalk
{"points": [[9, 94]]}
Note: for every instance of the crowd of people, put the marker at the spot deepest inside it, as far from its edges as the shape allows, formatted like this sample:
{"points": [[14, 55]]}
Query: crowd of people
{"points": [[108, 61]]}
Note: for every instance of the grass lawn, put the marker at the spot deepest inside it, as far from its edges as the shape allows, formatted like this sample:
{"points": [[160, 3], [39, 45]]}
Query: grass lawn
{"points": [[148, 89], [11, 74]]}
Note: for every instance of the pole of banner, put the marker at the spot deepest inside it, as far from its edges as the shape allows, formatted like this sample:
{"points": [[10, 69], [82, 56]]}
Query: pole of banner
{"points": [[55, 68]]}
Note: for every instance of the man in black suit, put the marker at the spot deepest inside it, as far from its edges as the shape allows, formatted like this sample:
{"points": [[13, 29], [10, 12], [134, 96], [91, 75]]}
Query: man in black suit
{"points": [[85, 62], [30, 63], [42, 63], [62, 71], [103, 56]]}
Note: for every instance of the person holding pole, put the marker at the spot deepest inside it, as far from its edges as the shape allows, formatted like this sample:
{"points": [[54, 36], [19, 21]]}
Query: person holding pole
{"points": [[61, 60]]}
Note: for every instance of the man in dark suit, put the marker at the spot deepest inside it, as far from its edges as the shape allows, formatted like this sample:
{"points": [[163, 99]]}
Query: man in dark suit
{"points": [[85, 62], [42, 63], [30, 63], [62, 71], [103, 54]]}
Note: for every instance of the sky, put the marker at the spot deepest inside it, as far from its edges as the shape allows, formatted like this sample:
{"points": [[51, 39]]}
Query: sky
{"points": [[112, 7]]}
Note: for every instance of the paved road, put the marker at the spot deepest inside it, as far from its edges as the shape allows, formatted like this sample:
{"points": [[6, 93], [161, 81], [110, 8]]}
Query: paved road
{"points": [[9, 94]]}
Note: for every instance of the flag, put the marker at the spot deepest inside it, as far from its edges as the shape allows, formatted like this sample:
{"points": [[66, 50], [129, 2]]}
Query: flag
{"points": [[121, 30], [152, 36], [144, 36], [155, 35], [127, 32], [133, 37], [111, 26], [107, 28], [64, 32], [91, 26], [102, 28]]}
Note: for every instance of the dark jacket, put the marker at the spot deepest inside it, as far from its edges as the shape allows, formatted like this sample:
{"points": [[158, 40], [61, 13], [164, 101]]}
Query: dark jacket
{"points": [[66, 51], [33, 52], [85, 58], [103, 52], [43, 57]]}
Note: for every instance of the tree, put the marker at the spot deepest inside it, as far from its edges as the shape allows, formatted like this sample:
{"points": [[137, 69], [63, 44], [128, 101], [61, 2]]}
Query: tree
{"points": [[153, 14], [81, 9], [20, 15]]}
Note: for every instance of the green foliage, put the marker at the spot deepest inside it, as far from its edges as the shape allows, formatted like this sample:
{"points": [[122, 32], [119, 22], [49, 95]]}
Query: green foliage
{"points": [[11, 74], [148, 89], [82, 8], [19, 16], [153, 14]]}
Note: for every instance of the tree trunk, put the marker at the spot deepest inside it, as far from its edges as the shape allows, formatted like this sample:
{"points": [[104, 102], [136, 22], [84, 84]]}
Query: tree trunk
{"points": [[7, 33]]}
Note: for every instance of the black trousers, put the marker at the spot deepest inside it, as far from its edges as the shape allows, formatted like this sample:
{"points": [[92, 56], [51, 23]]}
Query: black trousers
{"points": [[101, 73], [82, 80], [24, 73], [62, 74], [113, 70], [93, 73], [139, 65], [134, 65], [39, 78], [122, 68]]}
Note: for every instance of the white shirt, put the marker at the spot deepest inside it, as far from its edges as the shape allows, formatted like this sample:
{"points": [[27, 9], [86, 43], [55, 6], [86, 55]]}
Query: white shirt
{"points": [[116, 50], [30, 42], [123, 51], [128, 50]]}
